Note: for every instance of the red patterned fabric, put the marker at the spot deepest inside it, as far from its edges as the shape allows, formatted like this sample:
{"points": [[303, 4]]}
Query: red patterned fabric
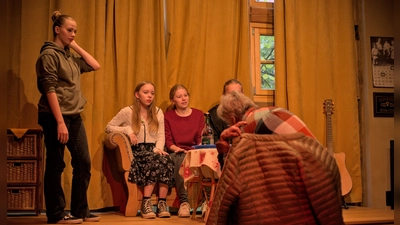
{"points": [[278, 179], [274, 120]]}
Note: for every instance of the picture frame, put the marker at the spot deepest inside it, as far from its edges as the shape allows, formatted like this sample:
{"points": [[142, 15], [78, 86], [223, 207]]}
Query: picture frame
{"points": [[383, 104]]}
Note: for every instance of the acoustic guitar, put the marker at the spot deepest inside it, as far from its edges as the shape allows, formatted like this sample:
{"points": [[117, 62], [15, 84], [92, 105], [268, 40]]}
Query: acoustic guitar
{"points": [[339, 157]]}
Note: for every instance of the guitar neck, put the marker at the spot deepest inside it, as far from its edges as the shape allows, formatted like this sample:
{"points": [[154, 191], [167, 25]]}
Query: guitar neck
{"points": [[329, 141], [345, 179]]}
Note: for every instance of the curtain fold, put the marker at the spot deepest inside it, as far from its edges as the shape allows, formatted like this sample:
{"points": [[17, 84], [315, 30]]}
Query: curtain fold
{"points": [[208, 44], [315, 61]]}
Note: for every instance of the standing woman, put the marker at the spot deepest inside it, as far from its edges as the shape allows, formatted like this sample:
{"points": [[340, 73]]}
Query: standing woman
{"points": [[143, 122], [183, 128], [61, 102]]}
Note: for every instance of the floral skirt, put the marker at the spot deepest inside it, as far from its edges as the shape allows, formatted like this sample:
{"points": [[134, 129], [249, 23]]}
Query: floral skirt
{"points": [[148, 167]]}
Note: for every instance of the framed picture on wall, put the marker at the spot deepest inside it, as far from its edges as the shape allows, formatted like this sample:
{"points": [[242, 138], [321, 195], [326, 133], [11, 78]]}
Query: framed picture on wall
{"points": [[382, 60], [383, 104]]}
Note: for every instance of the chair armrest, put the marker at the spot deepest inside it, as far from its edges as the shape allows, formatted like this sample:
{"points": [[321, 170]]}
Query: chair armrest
{"points": [[120, 143]]}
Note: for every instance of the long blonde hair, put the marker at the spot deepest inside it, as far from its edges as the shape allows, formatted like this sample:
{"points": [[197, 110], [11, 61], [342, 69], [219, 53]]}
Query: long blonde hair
{"points": [[151, 112]]}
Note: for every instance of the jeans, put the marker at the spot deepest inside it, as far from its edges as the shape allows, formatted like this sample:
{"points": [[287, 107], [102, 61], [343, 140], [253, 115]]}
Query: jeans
{"points": [[80, 160], [179, 183]]}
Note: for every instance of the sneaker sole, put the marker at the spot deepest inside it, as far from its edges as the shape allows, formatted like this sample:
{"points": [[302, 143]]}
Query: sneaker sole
{"points": [[164, 215], [184, 216], [148, 216], [74, 221], [91, 219]]}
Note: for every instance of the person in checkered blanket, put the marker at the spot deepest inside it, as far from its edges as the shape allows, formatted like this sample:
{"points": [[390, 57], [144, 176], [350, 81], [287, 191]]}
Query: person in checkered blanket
{"points": [[244, 116]]}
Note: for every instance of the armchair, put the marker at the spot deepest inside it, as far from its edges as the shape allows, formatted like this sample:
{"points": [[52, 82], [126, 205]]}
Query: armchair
{"points": [[119, 143]]}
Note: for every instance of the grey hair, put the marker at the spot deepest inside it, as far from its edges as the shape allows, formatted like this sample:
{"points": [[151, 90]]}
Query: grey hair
{"points": [[234, 104]]}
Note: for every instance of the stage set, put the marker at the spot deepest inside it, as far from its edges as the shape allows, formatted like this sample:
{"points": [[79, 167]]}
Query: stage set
{"points": [[352, 215]]}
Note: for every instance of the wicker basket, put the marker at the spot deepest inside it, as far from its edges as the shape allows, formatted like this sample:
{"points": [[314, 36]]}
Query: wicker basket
{"points": [[21, 171], [21, 198], [21, 147]]}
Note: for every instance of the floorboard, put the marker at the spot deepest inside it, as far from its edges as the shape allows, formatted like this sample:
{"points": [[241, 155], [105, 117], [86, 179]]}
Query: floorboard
{"points": [[353, 215], [364, 215]]}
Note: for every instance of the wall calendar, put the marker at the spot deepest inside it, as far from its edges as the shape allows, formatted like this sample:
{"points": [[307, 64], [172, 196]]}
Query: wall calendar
{"points": [[382, 59]]}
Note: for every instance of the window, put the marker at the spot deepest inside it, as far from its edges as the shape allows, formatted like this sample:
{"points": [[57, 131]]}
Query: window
{"points": [[262, 51]]}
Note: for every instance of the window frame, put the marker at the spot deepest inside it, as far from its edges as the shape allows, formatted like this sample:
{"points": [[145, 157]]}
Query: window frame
{"points": [[261, 23], [256, 30]]}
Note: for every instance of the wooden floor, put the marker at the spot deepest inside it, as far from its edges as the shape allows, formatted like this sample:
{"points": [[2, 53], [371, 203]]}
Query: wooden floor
{"points": [[353, 215], [363, 215]]}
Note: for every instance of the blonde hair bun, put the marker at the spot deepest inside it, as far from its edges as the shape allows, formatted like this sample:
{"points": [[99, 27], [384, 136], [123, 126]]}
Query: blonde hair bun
{"points": [[55, 15]]}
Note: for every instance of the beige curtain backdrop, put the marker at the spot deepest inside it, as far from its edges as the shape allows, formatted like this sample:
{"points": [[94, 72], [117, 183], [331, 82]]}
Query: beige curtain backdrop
{"points": [[198, 43], [208, 43], [315, 61]]}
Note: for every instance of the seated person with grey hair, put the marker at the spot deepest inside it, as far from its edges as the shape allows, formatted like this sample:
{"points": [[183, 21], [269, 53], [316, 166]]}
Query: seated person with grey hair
{"points": [[275, 171], [243, 115]]}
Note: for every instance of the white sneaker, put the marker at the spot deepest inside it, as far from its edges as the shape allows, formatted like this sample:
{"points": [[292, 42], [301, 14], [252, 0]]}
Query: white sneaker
{"points": [[204, 208], [184, 210]]}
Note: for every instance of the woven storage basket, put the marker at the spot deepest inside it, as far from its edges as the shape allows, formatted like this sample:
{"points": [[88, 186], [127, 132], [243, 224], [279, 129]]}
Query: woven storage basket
{"points": [[21, 171], [21, 198], [21, 147]]}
